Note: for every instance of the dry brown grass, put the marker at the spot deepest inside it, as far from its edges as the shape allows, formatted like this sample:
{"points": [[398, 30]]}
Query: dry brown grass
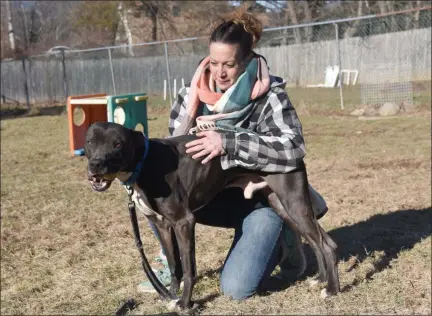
{"points": [[68, 250]]}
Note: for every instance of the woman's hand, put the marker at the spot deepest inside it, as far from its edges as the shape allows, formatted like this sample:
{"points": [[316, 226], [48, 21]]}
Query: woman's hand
{"points": [[209, 143]]}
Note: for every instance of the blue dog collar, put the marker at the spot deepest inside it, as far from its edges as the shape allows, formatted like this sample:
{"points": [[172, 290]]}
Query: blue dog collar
{"points": [[139, 165]]}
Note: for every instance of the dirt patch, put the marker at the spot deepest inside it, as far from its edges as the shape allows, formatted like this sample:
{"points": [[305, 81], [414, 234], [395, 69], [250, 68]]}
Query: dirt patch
{"points": [[19, 111]]}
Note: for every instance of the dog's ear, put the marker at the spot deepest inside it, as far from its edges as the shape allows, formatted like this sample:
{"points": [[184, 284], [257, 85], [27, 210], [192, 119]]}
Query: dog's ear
{"points": [[137, 138]]}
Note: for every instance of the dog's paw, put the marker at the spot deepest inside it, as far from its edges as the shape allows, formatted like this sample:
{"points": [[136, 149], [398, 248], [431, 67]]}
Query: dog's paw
{"points": [[172, 305], [324, 294], [181, 305]]}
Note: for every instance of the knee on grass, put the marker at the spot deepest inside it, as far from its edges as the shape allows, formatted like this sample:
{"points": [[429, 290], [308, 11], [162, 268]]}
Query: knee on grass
{"points": [[236, 290]]}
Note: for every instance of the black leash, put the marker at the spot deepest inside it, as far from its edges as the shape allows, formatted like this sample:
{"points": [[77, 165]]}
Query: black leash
{"points": [[126, 307], [160, 289], [130, 304]]}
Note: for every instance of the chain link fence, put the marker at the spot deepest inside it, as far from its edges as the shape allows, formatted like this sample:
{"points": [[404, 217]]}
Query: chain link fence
{"points": [[365, 52]]}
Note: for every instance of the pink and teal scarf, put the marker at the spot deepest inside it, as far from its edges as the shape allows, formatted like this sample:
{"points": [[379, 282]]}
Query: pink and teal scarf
{"points": [[230, 107]]}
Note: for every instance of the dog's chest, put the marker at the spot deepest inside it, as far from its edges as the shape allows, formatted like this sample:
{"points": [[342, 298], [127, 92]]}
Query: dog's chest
{"points": [[142, 205]]}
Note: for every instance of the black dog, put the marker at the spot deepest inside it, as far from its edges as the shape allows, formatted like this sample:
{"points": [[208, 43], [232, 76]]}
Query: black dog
{"points": [[169, 186]]}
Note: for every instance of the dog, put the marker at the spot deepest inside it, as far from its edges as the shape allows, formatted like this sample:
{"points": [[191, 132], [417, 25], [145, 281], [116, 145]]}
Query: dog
{"points": [[169, 186]]}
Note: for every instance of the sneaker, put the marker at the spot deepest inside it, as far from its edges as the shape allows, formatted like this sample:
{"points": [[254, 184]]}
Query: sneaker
{"points": [[289, 259], [163, 275]]}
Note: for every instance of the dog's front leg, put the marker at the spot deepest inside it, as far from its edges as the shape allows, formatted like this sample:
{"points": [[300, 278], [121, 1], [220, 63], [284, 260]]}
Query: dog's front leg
{"points": [[170, 247], [185, 234]]}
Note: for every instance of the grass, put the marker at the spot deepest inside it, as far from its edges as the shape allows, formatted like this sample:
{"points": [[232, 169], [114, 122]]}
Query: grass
{"points": [[68, 250]]}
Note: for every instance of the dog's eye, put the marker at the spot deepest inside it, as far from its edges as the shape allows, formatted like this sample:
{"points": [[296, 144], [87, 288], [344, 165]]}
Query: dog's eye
{"points": [[117, 145]]}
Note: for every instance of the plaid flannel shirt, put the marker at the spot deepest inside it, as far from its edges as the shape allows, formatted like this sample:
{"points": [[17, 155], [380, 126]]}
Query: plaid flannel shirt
{"points": [[274, 141]]}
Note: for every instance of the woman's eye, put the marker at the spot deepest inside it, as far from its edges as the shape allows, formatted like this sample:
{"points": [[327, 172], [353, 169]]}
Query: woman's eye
{"points": [[213, 64]]}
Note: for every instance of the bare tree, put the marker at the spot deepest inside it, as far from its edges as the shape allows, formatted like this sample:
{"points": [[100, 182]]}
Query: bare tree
{"points": [[200, 19], [155, 15], [353, 27], [25, 27], [417, 14], [10, 27], [307, 19], [391, 8], [293, 16], [382, 6], [152, 9], [97, 22], [52, 25], [125, 27]]}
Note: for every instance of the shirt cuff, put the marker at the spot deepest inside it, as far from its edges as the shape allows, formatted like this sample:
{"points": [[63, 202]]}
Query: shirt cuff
{"points": [[229, 143]]}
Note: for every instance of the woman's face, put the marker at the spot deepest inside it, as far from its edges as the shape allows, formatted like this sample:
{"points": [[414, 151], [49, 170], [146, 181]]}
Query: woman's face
{"points": [[224, 64]]}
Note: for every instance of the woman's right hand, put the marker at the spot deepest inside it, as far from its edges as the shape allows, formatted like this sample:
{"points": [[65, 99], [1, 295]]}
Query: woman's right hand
{"points": [[209, 143]]}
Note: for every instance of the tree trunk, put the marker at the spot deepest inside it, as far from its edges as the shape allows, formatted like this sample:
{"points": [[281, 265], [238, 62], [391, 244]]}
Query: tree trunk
{"points": [[383, 10], [308, 19], [394, 27], [153, 10], [26, 31], [382, 6], [294, 20], [10, 27], [154, 28], [417, 15], [124, 21], [353, 28], [408, 17]]}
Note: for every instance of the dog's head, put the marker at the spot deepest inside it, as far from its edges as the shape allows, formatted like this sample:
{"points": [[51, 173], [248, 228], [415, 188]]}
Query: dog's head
{"points": [[110, 149]]}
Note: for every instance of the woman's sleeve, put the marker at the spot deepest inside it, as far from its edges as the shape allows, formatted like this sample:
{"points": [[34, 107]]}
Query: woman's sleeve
{"points": [[276, 146], [178, 110]]}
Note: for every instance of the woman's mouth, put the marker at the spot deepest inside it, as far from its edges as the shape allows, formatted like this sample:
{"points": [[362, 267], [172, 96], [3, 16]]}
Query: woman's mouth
{"points": [[223, 82]]}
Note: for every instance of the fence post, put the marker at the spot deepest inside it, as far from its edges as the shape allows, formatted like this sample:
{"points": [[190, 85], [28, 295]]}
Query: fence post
{"points": [[340, 67], [112, 71], [65, 87], [25, 83], [168, 73]]}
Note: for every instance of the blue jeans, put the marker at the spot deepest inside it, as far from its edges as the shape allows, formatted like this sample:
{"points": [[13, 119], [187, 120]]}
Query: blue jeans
{"points": [[253, 254]]}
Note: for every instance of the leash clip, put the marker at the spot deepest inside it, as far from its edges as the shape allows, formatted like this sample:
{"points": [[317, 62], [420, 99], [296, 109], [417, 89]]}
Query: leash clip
{"points": [[130, 192], [131, 203]]}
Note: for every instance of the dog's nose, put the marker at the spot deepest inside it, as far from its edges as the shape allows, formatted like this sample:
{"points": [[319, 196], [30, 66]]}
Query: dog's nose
{"points": [[95, 165]]}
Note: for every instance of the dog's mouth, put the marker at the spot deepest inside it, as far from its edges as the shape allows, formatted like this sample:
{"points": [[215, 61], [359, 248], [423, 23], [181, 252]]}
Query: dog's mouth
{"points": [[99, 183]]}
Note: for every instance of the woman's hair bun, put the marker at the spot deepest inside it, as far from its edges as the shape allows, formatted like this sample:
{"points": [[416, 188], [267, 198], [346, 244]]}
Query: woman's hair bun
{"points": [[240, 28], [250, 23]]}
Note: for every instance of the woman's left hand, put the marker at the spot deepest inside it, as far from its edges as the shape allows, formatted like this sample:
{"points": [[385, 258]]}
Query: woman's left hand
{"points": [[209, 143]]}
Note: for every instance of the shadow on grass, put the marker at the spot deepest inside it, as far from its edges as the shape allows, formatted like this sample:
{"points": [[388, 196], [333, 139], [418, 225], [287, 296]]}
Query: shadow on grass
{"points": [[390, 233], [11, 113]]}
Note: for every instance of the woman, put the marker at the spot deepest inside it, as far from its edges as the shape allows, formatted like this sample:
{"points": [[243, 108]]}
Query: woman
{"points": [[248, 121]]}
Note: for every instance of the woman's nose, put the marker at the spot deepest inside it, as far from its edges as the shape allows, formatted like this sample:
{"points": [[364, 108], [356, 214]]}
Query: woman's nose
{"points": [[221, 71]]}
